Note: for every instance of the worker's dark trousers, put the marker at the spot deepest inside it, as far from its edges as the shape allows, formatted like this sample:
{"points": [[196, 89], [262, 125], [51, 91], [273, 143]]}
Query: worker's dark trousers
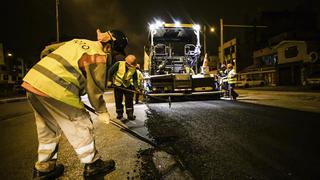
{"points": [[232, 93], [118, 96], [137, 98]]}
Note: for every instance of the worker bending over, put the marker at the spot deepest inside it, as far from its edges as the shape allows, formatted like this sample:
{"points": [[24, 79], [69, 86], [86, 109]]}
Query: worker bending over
{"points": [[54, 86]]}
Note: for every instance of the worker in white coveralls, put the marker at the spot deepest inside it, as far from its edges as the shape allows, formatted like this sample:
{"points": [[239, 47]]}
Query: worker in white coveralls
{"points": [[54, 86]]}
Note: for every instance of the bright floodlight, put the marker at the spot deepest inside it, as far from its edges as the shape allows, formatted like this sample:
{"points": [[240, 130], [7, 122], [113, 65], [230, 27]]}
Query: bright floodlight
{"points": [[177, 23], [212, 29], [159, 23], [196, 27], [152, 27]]}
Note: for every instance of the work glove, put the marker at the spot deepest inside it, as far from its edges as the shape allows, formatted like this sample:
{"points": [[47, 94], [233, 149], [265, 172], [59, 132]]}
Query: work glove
{"points": [[104, 117], [136, 89]]}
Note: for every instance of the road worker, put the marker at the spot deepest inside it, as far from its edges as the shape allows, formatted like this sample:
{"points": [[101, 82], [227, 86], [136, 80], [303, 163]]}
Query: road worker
{"points": [[232, 79], [223, 80], [54, 86], [123, 76]]}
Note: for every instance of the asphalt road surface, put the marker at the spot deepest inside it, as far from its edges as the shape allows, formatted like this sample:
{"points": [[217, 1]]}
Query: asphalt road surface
{"points": [[216, 139], [238, 140]]}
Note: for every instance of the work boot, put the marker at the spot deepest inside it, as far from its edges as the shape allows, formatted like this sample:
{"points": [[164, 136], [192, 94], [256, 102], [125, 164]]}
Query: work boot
{"points": [[234, 95], [53, 174], [119, 116], [131, 117], [98, 167]]}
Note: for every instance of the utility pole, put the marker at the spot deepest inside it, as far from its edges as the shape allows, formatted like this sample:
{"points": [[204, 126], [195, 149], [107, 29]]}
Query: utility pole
{"points": [[57, 20], [221, 42]]}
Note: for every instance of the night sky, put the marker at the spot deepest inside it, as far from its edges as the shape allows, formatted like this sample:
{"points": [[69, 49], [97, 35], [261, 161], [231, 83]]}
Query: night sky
{"points": [[29, 25]]}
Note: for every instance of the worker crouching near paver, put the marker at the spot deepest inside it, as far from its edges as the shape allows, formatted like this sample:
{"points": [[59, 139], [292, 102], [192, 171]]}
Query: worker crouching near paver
{"points": [[54, 86], [123, 76]]}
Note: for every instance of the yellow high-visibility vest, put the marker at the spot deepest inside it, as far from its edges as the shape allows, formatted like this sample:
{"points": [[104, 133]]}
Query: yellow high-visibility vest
{"points": [[232, 77], [58, 74], [122, 76], [139, 78], [50, 48]]}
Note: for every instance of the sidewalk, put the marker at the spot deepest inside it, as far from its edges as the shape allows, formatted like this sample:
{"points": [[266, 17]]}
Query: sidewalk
{"points": [[284, 97], [284, 88]]}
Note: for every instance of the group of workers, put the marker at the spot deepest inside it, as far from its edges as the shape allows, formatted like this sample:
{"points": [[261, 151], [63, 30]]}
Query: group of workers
{"points": [[54, 88], [71, 69], [227, 76]]}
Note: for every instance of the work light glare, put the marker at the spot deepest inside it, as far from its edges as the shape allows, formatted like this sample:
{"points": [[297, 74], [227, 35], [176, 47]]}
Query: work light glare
{"points": [[196, 27]]}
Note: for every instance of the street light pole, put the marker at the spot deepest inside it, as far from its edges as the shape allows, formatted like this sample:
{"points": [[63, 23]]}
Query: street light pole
{"points": [[221, 42], [204, 39], [57, 20]]}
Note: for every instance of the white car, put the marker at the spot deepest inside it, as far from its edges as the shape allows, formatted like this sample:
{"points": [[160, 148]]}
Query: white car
{"points": [[313, 80], [250, 82]]}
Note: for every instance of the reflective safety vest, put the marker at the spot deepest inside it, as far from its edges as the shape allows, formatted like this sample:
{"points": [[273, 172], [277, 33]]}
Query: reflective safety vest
{"points": [[139, 78], [232, 77], [50, 48], [122, 76], [58, 74], [189, 70]]}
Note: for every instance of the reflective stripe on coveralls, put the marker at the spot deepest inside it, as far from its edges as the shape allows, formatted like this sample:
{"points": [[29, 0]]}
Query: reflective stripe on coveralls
{"points": [[47, 152], [122, 76], [65, 81], [86, 153]]}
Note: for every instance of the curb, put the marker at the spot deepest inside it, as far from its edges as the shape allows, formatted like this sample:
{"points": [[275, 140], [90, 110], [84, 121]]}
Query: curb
{"points": [[10, 100]]}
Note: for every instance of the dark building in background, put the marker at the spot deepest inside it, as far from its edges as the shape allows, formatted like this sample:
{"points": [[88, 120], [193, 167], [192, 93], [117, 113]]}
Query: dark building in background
{"points": [[296, 25], [286, 52], [12, 70]]}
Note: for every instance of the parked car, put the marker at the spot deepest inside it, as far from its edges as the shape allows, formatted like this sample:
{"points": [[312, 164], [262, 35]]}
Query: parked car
{"points": [[312, 80], [250, 82]]}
